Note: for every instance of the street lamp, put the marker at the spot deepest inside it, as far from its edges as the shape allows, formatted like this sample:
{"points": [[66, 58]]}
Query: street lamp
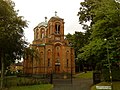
{"points": [[107, 42]]}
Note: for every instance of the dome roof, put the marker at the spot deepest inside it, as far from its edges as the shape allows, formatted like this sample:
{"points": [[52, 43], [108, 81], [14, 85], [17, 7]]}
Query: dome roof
{"points": [[55, 17], [42, 24]]}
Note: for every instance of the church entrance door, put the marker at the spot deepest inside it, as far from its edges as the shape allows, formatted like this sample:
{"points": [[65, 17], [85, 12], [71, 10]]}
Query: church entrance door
{"points": [[57, 68]]}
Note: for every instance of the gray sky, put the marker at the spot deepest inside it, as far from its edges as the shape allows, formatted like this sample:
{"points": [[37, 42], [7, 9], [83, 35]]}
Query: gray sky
{"points": [[35, 10]]}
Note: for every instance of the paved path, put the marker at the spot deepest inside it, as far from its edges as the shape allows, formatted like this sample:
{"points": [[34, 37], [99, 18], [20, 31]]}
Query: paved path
{"points": [[77, 84]]}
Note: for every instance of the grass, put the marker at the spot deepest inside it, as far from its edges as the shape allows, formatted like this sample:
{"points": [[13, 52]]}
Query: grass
{"points": [[33, 87], [87, 75], [116, 85], [24, 83]]}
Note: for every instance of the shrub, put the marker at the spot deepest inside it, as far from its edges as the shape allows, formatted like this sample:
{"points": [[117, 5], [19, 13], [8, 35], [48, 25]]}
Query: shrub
{"points": [[115, 74]]}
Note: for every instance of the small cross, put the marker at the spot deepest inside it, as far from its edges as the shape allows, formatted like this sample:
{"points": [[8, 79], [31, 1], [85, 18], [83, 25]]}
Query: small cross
{"points": [[45, 19], [55, 13]]}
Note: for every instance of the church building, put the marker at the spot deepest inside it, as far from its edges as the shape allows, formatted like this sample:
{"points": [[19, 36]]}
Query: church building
{"points": [[54, 52]]}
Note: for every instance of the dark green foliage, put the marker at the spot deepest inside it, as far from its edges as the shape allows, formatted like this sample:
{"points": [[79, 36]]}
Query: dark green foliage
{"points": [[115, 74], [12, 41], [11, 32], [21, 81], [78, 40], [104, 17]]}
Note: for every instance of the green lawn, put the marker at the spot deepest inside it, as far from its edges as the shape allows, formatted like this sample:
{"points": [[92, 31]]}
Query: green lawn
{"points": [[116, 85], [87, 75], [34, 87]]}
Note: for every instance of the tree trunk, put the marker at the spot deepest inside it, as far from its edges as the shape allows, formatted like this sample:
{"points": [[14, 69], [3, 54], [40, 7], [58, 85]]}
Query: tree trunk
{"points": [[2, 72]]}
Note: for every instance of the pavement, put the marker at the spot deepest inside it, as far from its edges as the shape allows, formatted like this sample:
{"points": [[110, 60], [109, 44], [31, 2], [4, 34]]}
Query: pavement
{"points": [[74, 84]]}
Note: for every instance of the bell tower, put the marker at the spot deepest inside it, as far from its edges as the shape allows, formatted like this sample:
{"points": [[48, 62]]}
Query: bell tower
{"points": [[56, 28]]}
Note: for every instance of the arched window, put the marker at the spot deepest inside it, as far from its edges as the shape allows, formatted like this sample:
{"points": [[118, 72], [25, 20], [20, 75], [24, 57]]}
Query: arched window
{"points": [[67, 62], [49, 57], [58, 51], [49, 53], [42, 33], [67, 54], [48, 62], [41, 56], [67, 58], [57, 48], [57, 28]]}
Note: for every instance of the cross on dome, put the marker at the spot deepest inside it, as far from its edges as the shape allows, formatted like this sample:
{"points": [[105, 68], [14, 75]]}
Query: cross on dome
{"points": [[55, 13], [45, 19]]}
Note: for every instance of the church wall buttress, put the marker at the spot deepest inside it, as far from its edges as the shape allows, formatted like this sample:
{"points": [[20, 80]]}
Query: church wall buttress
{"points": [[62, 58]]}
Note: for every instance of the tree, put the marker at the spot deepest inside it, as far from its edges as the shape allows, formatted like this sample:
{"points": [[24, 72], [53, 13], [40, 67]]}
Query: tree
{"points": [[78, 40], [11, 35], [104, 17]]}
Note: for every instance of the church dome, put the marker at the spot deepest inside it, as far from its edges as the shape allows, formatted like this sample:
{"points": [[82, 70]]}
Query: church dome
{"points": [[42, 24], [55, 17], [45, 23]]}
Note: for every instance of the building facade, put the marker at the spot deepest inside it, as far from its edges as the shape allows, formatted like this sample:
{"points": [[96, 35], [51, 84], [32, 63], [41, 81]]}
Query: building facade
{"points": [[54, 53]]}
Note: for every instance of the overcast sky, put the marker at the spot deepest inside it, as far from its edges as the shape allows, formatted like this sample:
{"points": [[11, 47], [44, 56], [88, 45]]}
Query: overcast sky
{"points": [[34, 11]]}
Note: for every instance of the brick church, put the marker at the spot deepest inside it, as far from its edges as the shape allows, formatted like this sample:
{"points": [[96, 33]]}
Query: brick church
{"points": [[55, 55]]}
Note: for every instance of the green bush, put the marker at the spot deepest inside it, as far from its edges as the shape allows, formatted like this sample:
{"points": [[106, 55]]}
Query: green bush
{"points": [[21, 81], [10, 73], [115, 74]]}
